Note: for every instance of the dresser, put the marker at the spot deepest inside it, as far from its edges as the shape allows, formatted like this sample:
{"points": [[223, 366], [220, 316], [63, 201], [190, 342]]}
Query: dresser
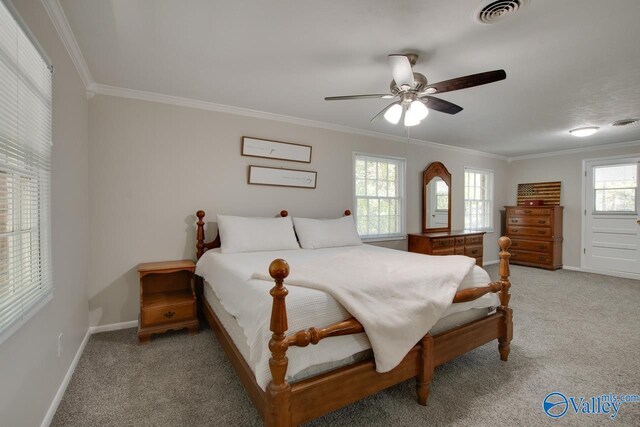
{"points": [[536, 235], [461, 242]]}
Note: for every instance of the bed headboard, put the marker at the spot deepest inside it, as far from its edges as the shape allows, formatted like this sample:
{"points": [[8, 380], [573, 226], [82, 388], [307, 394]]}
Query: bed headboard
{"points": [[202, 247]]}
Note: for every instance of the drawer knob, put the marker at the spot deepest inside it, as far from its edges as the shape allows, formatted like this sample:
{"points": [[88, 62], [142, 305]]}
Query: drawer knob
{"points": [[528, 211], [475, 251], [542, 221], [169, 314], [542, 258], [515, 230], [515, 221], [541, 232], [542, 247]]}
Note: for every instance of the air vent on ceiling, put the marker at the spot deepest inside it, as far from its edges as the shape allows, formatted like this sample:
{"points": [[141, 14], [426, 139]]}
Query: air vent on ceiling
{"points": [[493, 11], [625, 122]]}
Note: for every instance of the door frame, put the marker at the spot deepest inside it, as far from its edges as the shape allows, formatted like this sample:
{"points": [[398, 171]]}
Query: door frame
{"points": [[583, 221]]}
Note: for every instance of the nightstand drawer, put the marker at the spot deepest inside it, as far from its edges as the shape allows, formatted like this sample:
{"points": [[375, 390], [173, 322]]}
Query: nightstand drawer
{"points": [[172, 313]]}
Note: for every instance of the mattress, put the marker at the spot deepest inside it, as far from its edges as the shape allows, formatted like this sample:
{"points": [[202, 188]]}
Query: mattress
{"points": [[243, 306], [262, 373]]}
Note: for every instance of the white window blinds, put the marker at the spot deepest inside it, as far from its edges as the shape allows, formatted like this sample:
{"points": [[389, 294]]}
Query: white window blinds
{"points": [[478, 199], [379, 196], [25, 165]]}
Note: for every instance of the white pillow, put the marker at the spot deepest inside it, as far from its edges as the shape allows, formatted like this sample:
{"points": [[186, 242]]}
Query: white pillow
{"points": [[242, 234], [326, 233]]}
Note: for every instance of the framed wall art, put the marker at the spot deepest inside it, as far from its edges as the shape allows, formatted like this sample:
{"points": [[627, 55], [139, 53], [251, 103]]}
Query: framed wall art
{"points": [[278, 150], [281, 177]]}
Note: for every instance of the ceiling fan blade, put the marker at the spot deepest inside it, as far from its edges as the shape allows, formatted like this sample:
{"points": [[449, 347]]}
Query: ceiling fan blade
{"points": [[467, 81], [401, 70], [341, 98], [384, 110], [441, 105]]}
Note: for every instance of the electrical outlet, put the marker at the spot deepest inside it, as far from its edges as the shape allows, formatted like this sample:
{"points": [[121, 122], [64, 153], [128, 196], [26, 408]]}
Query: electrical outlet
{"points": [[60, 344]]}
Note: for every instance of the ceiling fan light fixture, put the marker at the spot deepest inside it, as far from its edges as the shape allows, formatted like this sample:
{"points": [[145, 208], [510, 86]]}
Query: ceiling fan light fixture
{"points": [[585, 131], [418, 110], [392, 115]]}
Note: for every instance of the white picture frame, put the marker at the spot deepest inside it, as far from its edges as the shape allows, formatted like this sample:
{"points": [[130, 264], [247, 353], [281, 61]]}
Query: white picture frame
{"points": [[269, 149], [281, 177]]}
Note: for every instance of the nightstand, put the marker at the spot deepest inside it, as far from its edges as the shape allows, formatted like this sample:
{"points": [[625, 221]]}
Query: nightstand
{"points": [[167, 298]]}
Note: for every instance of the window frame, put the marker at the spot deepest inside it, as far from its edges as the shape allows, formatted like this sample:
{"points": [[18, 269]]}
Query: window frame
{"points": [[490, 192], [40, 170], [402, 190], [634, 212]]}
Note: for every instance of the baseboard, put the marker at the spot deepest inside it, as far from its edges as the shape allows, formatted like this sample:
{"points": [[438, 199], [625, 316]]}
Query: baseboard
{"points": [[67, 378], [495, 261], [113, 327], [570, 268], [65, 382]]}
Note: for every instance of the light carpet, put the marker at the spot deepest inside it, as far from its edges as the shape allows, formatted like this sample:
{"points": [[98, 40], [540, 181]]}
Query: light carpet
{"points": [[576, 333]]}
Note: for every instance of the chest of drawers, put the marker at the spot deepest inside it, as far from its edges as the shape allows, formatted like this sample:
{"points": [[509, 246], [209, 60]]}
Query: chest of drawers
{"points": [[536, 235], [461, 242]]}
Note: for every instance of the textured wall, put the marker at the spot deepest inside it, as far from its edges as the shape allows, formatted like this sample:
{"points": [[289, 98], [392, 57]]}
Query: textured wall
{"points": [[153, 165]]}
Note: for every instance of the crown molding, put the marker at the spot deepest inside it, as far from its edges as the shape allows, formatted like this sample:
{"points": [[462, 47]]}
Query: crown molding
{"points": [[576, 150], [101, 89], [61, 24]]}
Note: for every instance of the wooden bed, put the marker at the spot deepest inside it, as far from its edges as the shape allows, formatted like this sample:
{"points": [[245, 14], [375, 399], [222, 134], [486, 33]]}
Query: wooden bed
{"points": [[284, 404]]}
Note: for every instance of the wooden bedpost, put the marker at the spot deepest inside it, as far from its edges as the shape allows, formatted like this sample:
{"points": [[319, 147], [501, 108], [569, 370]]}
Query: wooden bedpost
{"points": [[507, 331], [423, 380], [200, 235], [278, 412]]}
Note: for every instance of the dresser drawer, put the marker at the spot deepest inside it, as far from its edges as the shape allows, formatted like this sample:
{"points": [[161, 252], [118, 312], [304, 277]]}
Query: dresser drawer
{"points": [[473, 251], [442, 243], [528, 231], [173, 313], [529, 211], [531, 245], [534, 257], [473, 240], [459, 250], [459, 241], [538, 221], [444, 251]]}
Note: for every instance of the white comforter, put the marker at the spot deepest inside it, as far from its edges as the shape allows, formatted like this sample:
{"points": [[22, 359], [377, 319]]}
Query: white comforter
{"points": [[396, 296], [248, 300]]}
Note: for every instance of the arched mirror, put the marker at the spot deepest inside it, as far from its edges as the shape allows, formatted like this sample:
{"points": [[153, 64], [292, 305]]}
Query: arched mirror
{"points": [[436, 198]]}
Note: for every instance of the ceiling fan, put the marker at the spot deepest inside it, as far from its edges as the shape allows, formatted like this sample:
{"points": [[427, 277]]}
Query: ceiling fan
{"points": [[414, 91]]}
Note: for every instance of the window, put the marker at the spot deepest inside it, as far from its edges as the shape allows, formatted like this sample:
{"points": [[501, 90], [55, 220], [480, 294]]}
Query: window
{"points": [[478, 199], [379, 196], [25, 163], [614, 188], [442, 196]]}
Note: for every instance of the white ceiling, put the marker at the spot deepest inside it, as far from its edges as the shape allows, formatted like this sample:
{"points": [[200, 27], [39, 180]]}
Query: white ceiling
{"points": [[569, 63]]}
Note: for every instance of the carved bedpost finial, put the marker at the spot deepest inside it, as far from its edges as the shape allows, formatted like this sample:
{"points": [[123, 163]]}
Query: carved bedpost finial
{"points": [[279, 391], [284, 213], [506, 335], [347, 213], [200, 234]]}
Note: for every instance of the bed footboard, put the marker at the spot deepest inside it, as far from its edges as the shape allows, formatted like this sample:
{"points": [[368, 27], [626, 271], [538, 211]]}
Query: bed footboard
{"points": [[420, 362]]}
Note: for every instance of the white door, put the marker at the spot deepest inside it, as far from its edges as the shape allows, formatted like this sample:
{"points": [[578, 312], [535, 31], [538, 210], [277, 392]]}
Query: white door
{"points": [[612, 217]]}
